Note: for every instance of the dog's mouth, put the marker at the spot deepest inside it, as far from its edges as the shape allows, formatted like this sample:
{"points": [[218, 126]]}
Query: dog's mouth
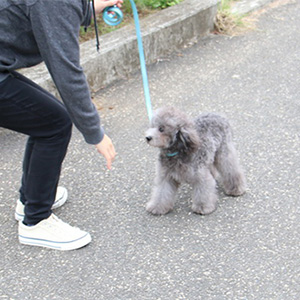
{"points": [[155, 142], [151, 141], [149, 136]]}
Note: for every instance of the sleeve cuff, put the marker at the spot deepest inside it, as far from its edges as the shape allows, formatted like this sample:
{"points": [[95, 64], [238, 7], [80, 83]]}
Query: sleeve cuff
{"points": [[95, 138]]}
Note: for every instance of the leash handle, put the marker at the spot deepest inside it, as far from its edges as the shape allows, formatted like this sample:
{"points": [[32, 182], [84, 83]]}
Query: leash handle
{"points": [[114, 16]]}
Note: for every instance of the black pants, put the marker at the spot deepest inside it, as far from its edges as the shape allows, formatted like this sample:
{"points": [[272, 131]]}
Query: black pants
{"points": [[27, 108]]}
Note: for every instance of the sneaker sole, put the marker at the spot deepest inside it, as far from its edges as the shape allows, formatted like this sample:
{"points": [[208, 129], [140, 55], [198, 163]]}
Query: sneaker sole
{"points": [[58, 203], [63, 246]]}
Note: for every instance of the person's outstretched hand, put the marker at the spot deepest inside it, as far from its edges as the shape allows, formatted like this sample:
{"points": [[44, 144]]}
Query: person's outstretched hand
{"points": [[107, 149], [102, 4]]}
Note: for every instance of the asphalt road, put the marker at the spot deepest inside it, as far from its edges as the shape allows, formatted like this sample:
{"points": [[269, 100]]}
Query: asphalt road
{"points": [[247, 249]]}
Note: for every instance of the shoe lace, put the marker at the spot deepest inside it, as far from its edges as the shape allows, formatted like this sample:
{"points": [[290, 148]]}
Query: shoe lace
{"points": [[57, 224]]}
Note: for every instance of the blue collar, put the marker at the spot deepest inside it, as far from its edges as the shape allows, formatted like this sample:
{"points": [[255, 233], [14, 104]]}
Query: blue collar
{"points": [[172, 154]]}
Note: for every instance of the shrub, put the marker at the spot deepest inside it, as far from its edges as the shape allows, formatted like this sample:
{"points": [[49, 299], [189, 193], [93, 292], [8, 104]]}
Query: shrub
{"points": [[153, 4], [161, 3]]}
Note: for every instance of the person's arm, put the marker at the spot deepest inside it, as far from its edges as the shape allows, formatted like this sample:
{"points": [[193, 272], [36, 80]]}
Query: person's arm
{"points": [[56, 27]]}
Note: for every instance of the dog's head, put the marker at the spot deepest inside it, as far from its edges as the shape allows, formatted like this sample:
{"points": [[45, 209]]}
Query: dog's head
{"points": [[172, 130]]}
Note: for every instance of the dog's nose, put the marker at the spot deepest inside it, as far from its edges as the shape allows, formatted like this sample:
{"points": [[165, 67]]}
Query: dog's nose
{"points": [[148, 138]]}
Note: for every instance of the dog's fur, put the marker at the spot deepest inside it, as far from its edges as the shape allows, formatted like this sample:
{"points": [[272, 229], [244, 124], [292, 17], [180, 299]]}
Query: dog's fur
{"points": [[194, 152]]}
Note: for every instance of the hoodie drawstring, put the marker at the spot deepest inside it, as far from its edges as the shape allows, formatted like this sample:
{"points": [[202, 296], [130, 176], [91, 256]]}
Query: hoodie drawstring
{"points": [[96, 26], [95, 23]]}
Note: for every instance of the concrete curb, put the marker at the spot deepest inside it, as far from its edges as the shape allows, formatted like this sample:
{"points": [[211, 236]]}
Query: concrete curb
{"points": [[163, 33], [245, 6]]}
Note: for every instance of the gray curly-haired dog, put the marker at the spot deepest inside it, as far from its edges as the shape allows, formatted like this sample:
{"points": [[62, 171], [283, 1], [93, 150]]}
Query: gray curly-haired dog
{"points": [[193, 152]]}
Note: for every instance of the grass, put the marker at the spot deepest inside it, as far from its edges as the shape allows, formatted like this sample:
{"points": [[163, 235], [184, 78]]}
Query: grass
{"points": [[228, 23]]}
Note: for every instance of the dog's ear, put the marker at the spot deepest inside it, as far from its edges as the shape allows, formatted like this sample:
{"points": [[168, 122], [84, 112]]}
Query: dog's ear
{"points": [[187, 139], [182, 140]]}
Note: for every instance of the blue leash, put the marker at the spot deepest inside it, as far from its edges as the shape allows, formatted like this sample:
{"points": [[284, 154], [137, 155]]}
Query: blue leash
{"points": [[114, 16]]}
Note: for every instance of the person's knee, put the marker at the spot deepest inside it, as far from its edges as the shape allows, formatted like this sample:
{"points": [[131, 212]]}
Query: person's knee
{"points": [[63, 126]]}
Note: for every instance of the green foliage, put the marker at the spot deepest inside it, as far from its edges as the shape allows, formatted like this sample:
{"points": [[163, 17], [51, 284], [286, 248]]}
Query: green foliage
{"points": [[228, 23], [161, 3], [225, 5], [126, 8], [153, 4]]}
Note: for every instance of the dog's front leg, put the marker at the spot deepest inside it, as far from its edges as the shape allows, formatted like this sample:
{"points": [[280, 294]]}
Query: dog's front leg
{"points": [[204, 193], [163, 196]]}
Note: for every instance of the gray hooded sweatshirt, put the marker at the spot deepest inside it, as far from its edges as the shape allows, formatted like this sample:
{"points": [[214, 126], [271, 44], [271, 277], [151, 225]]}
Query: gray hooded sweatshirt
{"points": [[32, 31]]}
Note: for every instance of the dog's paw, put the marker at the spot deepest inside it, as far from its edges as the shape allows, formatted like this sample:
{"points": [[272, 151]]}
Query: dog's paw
{"points": [[236, 186], [157, 209], [235, 192], [204, 209]]}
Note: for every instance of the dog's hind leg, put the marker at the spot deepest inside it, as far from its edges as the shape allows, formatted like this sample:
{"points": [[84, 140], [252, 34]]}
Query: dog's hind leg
{"points": [[163, 196], [232, 175], [204, 193]]}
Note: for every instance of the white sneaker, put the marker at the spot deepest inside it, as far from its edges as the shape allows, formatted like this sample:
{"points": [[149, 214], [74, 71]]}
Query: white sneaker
{"points": [[60, 199], [53, 233]]}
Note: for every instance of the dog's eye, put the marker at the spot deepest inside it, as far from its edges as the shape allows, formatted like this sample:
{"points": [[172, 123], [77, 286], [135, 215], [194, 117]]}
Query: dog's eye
{"points": [[161, 129]]}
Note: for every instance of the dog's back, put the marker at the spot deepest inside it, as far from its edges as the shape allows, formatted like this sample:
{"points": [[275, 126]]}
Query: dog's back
{"points": [[213, 130], [212, 124]]}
